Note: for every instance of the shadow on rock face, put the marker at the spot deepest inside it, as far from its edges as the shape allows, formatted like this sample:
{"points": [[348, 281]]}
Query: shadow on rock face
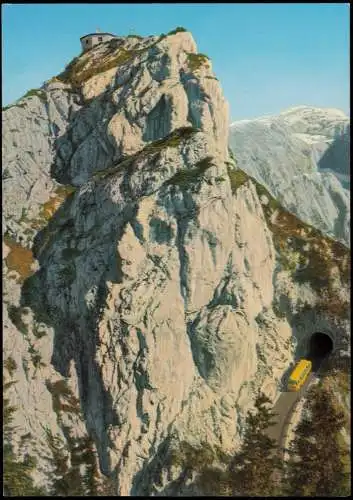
{"points": [[69, 292], [337, 157], [72, 164]]}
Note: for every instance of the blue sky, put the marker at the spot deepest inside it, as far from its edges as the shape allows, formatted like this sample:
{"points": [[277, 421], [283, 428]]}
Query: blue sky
{"points": [[268, 57]]}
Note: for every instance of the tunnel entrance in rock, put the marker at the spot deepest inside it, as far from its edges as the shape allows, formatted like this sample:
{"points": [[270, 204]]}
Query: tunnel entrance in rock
{"points": [[320, 346]]}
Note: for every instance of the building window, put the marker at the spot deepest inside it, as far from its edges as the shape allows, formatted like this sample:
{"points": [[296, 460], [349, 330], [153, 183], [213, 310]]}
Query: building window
{"points": [[86, 42], [100, 39]]}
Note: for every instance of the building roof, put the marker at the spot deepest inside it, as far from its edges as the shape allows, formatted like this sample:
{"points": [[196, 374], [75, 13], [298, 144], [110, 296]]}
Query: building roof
{"points": [[96, 34]]}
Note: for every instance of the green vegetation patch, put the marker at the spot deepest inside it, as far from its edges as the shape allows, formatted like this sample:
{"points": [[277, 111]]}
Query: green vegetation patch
{"points": [[62, 398], [237, 178], [304, 251], [309, 255], [68, 274], [36, 357], [125, 163], [10, 365], [5, 108], [186, 455], [178, 29], [195, 61], [71, 70], [17, 470], [64, 191], [73, 463], [78, 476], [273, 204], [184, 178], [278, 311], [15, 315], [231, 155], [247, 473], [76, 75], [36, 93], [319, 462], [173, 140], [50, 207], [37, 332], [336, 370], [31, 93]]}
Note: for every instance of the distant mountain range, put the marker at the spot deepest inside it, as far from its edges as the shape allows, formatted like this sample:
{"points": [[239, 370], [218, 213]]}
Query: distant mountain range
{"points": [[302, 157]]}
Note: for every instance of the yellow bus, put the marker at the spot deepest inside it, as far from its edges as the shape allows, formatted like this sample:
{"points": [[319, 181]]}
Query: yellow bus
{"points": [[299, 374]]}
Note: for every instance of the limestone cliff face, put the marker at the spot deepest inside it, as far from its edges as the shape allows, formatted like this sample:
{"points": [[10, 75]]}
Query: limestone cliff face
{"points": [[156, 280]]}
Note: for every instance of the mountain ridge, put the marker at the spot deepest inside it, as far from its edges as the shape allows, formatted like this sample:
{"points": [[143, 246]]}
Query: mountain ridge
{"points": [[151, 287], [335, 112], [302, 156]]}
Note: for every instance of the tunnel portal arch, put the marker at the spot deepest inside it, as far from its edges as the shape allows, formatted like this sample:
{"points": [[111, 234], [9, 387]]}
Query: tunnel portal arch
{"points": [[320, 345]]}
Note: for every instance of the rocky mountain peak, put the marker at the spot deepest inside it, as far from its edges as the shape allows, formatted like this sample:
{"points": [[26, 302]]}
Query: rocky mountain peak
{"points": [[302, 157], [152, 287], [108, 104], [328, 122]]}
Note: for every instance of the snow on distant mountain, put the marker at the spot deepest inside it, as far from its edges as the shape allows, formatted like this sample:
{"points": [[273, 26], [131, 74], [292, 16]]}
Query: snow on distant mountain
{"points": [[302, 157]]}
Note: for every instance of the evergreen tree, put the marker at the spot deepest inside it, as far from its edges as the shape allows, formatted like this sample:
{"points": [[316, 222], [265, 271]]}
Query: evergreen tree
{"points": [[92, 480], [207, 463], [66, 460], [108, 487], [73, 465], [58, 462], [17, 479], [253, 468], [316, 458]]}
